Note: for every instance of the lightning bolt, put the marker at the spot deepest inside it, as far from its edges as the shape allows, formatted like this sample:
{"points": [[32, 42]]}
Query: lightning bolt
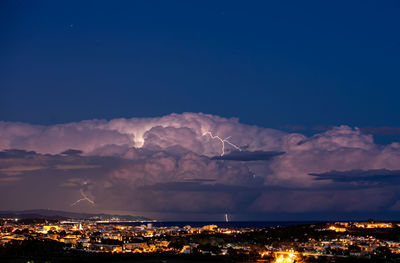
{"points": [[223, 141], [85, 198]]}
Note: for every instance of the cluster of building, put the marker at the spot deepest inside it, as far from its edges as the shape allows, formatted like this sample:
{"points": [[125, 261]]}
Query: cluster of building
{"points": [[358, 245], [345, 226], [99, 237], [107, 237], [348, 245]]}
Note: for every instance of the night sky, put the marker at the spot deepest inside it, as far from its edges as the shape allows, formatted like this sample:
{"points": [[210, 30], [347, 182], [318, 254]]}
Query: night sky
{"points": [[306, 93]]}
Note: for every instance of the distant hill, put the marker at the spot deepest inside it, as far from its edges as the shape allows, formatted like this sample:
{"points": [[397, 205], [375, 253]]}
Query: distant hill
{"points": [[64, 215]]}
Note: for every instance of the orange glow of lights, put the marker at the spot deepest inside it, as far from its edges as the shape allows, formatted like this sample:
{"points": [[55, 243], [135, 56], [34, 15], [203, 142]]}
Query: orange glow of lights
{"points": [[288, 258]]}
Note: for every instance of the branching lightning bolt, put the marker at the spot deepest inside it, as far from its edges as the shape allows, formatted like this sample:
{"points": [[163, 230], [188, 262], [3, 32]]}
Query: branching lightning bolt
{"points": [[83, 199], [223, 141]]}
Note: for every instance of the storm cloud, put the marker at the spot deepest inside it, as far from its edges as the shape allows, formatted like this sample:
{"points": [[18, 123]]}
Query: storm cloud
{"points": [[194, 163], [372, 176], [247, 156]]}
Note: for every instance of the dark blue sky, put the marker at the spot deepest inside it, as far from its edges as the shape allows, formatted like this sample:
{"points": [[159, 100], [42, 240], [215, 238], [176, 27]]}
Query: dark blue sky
{"points": [[270, 63]]}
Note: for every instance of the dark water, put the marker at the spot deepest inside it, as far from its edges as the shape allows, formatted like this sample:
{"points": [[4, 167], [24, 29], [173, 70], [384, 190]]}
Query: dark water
{"points": [[223, 224]]}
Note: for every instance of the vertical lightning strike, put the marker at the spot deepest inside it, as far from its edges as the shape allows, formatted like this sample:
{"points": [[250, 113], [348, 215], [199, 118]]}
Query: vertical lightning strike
{"points": [[226, 218], [223, 141], [83, 199]]}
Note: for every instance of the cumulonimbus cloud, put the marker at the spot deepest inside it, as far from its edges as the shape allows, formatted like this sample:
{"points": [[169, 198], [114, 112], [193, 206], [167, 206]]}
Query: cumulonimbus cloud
{"points": [[177, 163]]}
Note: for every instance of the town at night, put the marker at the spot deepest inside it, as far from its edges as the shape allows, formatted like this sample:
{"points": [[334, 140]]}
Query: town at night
{"points": [[97, 240], [199, 131]]}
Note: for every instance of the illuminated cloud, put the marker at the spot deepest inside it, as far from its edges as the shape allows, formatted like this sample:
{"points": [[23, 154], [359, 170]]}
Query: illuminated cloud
{"points": [[172, 164], [186, 130]]}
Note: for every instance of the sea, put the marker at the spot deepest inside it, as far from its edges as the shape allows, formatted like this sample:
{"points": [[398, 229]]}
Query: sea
{"points": [[221, 224]]}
